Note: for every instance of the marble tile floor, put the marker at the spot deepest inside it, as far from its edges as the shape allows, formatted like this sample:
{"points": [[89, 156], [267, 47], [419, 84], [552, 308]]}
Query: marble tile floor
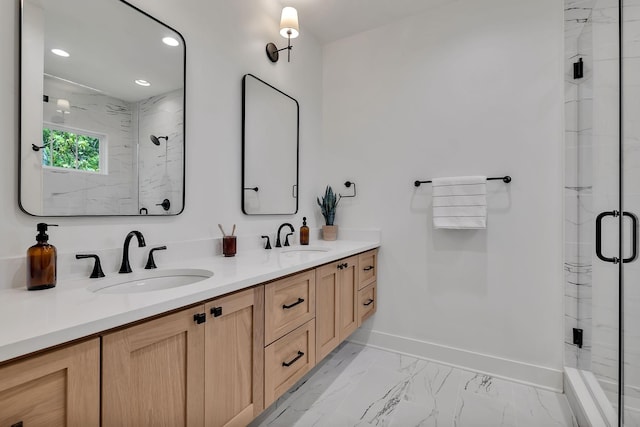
{"points": [[363, 386]]}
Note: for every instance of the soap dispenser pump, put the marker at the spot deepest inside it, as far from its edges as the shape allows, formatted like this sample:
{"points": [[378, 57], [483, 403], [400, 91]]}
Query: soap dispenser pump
{"points": [[304, 232], [42, 261]]}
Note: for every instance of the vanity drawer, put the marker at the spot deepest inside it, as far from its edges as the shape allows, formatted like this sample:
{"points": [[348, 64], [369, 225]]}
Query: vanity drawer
{"points": [[366, 302], [287, 360], [289, 303], [367, 268]]}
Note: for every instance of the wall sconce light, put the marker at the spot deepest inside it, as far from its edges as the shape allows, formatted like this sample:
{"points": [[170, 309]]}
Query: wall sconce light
{"points": [[64, 106], [288, 28]]}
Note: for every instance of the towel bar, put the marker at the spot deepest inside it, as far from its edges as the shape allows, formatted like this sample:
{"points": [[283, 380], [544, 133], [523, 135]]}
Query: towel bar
{"points": [[506, 179]]}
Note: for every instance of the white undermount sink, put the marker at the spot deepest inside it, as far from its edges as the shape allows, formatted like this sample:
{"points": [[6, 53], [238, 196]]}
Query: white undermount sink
{"points": [[304, 249], [149, 280]]}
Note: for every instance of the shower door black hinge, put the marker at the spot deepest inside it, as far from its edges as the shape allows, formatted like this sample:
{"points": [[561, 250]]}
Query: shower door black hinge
{"points": [[577, 337], [578, 69]]}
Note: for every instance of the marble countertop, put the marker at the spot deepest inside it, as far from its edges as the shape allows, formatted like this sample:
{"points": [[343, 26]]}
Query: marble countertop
{"points": [[36, 320]]}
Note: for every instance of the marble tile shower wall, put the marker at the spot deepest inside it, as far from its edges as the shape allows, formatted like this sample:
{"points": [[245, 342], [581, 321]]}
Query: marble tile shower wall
{"points": [[160, 167], [67, 192]]}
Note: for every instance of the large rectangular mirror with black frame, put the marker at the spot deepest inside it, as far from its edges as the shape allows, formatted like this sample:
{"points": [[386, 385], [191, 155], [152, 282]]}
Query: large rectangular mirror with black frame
{"points": [[102, 110], [270, 129]]}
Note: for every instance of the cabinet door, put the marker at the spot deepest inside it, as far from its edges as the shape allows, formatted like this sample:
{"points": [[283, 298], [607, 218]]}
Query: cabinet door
{"points": [[58, 388], [234, 351], [288, 360], [368, 267], [366, 303], [153, 373], [327, 305], [289, 303], [348, 282]]}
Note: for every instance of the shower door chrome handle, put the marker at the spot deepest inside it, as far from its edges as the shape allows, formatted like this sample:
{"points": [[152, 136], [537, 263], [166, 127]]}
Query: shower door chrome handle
{"points": [[599, 219], [634, 237]]}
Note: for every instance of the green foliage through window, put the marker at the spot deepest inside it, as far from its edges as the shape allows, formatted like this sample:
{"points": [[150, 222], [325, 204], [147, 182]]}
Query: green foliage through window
{"points": [[64, 149]]}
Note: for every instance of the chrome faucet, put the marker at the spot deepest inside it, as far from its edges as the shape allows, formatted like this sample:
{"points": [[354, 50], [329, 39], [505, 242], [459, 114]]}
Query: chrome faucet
{"points": [[286, 243], [125, 267]]}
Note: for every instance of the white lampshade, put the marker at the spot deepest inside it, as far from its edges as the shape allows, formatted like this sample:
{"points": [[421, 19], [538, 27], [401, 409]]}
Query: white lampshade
{"points": [[63, 105], [289, 22]]}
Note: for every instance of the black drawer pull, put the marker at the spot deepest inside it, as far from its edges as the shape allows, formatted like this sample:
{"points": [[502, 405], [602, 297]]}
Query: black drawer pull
{"points": [[295, 359], [199, 318], [286, 307], [18, 424], [369, 302], [368, 268], [216, 311]]}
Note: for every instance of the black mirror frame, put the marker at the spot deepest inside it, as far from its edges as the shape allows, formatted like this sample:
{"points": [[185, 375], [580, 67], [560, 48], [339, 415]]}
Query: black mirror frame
{"points": [[184, 122], [243, 187]]}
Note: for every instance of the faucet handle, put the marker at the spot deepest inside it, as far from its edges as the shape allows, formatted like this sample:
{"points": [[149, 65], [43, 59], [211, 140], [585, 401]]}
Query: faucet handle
{"points": [[97, 267], [286, 239], [151, 263], [268, 245]]}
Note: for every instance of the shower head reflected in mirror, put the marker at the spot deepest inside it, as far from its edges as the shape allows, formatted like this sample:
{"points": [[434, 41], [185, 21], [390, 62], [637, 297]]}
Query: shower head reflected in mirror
{"points": [[156, 139]]}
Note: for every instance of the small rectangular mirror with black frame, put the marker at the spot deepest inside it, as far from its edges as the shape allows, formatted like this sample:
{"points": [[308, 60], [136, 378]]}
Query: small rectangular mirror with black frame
{"points": [[270, 141], [102, 110]]}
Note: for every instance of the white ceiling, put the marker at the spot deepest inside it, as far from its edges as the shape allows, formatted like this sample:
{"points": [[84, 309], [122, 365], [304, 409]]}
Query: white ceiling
{"points": [[330, 20], [106, 52]]}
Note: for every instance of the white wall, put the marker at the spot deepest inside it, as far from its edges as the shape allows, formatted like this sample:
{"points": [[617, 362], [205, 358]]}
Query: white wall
{"points": [[472, 88], [224, 40]]}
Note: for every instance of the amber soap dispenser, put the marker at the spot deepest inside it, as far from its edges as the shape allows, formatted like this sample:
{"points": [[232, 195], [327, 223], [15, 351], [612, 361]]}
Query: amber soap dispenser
{"points": [[304, 232], [41, 261]]}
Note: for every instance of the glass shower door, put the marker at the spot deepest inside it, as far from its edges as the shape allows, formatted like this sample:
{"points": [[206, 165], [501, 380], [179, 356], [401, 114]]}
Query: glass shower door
{"points": [[630, 192]]}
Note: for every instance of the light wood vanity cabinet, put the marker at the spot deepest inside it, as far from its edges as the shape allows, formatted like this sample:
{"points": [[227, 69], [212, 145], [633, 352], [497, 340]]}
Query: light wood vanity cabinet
{"points": [[287, 360], [199, 366], [234, 367], [290, 331], [366, 302], [336, 312], [367, 284], [289, 303], [367, 268], [153, 372], [57, 388], [218, 364]]}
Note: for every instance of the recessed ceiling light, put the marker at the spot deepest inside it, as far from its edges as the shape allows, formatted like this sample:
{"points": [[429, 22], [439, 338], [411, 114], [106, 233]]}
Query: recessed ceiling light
{"points": [[170, 41], [60, 52], [143, 82]]}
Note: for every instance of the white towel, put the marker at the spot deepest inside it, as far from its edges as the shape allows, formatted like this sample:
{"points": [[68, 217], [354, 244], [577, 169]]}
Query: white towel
{"points": [[460, 202]]}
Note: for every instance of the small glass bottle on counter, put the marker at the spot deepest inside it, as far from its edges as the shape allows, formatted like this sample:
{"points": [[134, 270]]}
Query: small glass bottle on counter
{"points": [[304, 232], [42, 261]]}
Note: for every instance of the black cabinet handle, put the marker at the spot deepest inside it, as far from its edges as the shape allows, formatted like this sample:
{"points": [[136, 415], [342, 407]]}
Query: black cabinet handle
{"points": [[368, 268], [18, 424], [216, 311], [294, 360], [200, 318], [369, 302], [634, 237], [343, 266], [599, 219], [286, 307]]}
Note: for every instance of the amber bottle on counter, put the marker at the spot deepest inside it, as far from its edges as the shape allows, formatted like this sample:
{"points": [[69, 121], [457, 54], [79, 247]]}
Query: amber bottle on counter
{"points": [[304, 232], [41, 261]]}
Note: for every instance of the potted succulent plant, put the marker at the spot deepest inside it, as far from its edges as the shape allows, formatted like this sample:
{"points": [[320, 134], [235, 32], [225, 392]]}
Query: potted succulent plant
{"points": [[328, 207]]}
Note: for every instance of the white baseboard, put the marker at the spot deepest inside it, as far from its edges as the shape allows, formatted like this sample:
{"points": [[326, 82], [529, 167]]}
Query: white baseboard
{"points": [[537, 376]]}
